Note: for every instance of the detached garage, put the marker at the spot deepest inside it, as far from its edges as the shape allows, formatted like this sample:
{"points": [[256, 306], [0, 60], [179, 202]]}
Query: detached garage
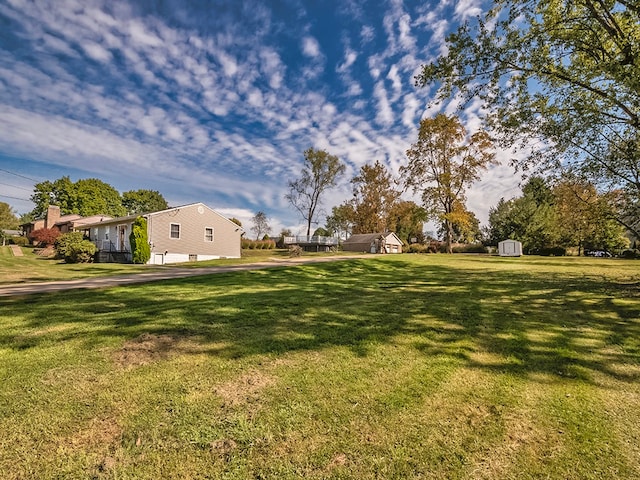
{"points": [[373, 243], [510, 248]]}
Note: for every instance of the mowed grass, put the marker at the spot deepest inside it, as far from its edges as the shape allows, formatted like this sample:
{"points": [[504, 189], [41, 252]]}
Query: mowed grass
{"points": [[34, 268], [406, 366]]}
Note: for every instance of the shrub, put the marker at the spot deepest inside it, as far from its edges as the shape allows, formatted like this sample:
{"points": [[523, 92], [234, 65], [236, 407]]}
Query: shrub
{"points": [[295, 250], [472, 248], [22, 241], [139, 241], [630, 253], [550, 252], [417, 248], [65, 242], [74, 248], [45, 236]]}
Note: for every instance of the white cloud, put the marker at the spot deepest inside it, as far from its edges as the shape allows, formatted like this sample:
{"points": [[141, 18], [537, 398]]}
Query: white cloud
{"points": [[310, 47], [367, 34], [384, 115]]}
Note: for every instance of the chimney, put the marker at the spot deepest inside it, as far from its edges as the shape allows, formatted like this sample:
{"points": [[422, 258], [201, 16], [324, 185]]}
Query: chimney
{"points": [[53, 216]]}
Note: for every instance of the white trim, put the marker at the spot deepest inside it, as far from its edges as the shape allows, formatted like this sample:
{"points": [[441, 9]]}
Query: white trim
{"points": [[171, 237]]}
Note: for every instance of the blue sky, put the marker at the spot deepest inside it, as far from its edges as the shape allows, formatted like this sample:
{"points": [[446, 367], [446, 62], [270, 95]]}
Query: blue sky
{"points": [[215, 101]]}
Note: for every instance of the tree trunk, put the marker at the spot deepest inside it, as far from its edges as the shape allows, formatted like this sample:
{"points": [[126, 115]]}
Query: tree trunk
{"points": [[448, 235]]}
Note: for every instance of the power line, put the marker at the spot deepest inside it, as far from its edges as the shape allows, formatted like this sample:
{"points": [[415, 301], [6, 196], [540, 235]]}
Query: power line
{"points": [[16, 186], [18, 175], [16, 198]]}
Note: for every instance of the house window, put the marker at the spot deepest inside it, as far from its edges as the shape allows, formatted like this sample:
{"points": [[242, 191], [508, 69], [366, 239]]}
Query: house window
{"points": [[208, 234], [175, 230]]}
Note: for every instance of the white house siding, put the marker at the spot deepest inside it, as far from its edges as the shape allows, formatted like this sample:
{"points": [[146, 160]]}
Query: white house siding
{"points": [[193, 219], [191, 246]]}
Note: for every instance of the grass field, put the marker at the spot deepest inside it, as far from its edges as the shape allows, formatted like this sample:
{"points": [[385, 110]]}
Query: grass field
{"points": [[34, 268], [408, 366]]}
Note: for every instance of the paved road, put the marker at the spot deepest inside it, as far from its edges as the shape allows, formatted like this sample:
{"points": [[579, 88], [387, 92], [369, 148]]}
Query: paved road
{"points": [[165, 274]]}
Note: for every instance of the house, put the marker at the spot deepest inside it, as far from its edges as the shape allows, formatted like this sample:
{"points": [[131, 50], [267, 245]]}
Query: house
{"points": [[373, 242], [509, 248], [64, 223], [181, 234]]}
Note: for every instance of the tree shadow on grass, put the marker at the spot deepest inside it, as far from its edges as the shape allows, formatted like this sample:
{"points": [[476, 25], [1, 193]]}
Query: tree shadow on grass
{"points": [[496, 319]]}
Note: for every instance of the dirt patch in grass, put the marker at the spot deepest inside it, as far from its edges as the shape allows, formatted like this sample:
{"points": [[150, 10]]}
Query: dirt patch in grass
{"points": [[245, 389], [148, 348]]}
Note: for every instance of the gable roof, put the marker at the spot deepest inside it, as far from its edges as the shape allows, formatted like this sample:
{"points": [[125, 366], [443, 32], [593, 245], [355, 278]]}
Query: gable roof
{"points": [[371, 237], [131, 218], [363, 238]]}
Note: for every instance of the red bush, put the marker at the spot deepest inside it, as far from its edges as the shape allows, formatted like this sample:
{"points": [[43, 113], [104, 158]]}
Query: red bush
{"points": [[45, 236]]}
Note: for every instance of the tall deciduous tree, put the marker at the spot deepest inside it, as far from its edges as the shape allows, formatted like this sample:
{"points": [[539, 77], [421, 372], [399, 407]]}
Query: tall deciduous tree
{"points": [[320, 172], [443, 163], [8, 218], [143, 201], [562, 72], [340, 222], [374, 194], [85, 197], [406, 219], [260, 224]]}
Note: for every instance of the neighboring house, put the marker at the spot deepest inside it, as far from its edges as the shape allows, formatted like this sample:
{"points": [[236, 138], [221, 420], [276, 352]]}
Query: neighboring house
{"points": [[509, 248], [374, 243], [77, 224], [187, 233], [64, 223]]}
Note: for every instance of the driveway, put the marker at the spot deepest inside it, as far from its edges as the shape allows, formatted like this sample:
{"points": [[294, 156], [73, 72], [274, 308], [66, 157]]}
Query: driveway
{"points": [[167, 274]]}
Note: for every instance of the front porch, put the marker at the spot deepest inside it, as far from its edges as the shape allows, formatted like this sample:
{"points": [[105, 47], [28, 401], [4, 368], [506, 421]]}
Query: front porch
{"points": [[313, 243], [108, 252]]}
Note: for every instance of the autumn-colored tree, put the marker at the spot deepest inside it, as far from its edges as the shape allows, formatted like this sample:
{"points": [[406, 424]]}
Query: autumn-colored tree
{"points": [[374, 193], [563, 74], [443, 163], [406, 219], [585, 218], [466, 226], [45, 236], [320, 172]]}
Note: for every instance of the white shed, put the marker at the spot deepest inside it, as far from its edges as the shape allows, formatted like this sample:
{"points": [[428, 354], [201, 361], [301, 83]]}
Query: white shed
{"points": [[509, 248]]}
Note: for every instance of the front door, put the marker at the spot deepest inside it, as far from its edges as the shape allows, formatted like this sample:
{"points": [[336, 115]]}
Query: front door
{"points": [[122, 229]]}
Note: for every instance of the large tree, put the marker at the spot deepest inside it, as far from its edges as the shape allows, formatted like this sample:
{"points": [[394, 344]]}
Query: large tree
{"points": [[85, 197], [8, 218], [562, 73], [340, 222], [143, 201], [406, 219], [374, 195], [320, 172], [568, 214], [443, 163]]}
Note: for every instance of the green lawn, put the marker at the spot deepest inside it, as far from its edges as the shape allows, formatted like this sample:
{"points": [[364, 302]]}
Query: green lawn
{"points": [[408, 366], [34, 268]]}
